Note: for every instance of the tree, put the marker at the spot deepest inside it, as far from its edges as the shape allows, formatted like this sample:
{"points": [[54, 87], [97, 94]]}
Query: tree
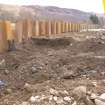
{"points": [[94, 19]]}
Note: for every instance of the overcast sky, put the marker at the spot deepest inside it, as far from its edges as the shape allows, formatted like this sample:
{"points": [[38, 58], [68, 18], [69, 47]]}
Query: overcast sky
{"points": [[85, 5]]}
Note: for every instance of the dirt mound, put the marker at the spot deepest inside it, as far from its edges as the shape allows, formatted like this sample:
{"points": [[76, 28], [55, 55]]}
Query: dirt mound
{"points": [[53, 42]]}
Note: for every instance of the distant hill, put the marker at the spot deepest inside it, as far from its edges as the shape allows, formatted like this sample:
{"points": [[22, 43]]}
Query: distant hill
{"points": [[13, 13]]}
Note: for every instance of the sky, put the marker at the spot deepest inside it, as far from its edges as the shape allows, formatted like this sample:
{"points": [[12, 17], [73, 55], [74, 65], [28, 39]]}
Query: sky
{"points": [[85, 5]]}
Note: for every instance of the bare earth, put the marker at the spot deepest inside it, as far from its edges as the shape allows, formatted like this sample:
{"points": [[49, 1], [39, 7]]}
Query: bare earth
{"points": [[61, 64]]}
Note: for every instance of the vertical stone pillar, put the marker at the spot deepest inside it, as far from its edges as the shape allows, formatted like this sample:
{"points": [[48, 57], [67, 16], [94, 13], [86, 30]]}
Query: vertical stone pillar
{"points": [[35, 28], [8, 30], [84, 27], [30, 26], [53, 27], [69, 27], [58, 27], [63, 26], [13, 31], [76, 27], [27, 29], [48, 28], [42, 28], [72, 27], [19, 31], [79, 27], [3, 37]]}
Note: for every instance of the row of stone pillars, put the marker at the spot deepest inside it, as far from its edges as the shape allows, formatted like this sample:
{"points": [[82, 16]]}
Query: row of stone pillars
{"points": [[26, 29]]}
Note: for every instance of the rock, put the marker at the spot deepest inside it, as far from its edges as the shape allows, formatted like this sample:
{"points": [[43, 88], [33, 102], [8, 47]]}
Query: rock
{"points": [[6, 101], [2, 84], [66, 51], [59, 101], [34, 99], [54, 92], [80, 92], [80, 89], [71, 44], [3, 63], [68, 75], [17, 103], [63, 93], [28, 87], [88, 101], [50, 98], [34, 70], [50, 53], [87, 37], [93, 96], [25, 103], [74, 103], [55, 98], [103, 37], [67, 99], [94, 83], [44, 98], [100, 100], [8, 91], [6, 72]]}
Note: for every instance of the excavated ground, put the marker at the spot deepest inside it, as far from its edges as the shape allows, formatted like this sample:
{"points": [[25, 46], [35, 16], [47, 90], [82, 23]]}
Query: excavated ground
{"points": [[59, 63]]}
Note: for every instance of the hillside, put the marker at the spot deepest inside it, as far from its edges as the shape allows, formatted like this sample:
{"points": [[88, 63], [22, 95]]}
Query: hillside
{"points": [[14, 13]]}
